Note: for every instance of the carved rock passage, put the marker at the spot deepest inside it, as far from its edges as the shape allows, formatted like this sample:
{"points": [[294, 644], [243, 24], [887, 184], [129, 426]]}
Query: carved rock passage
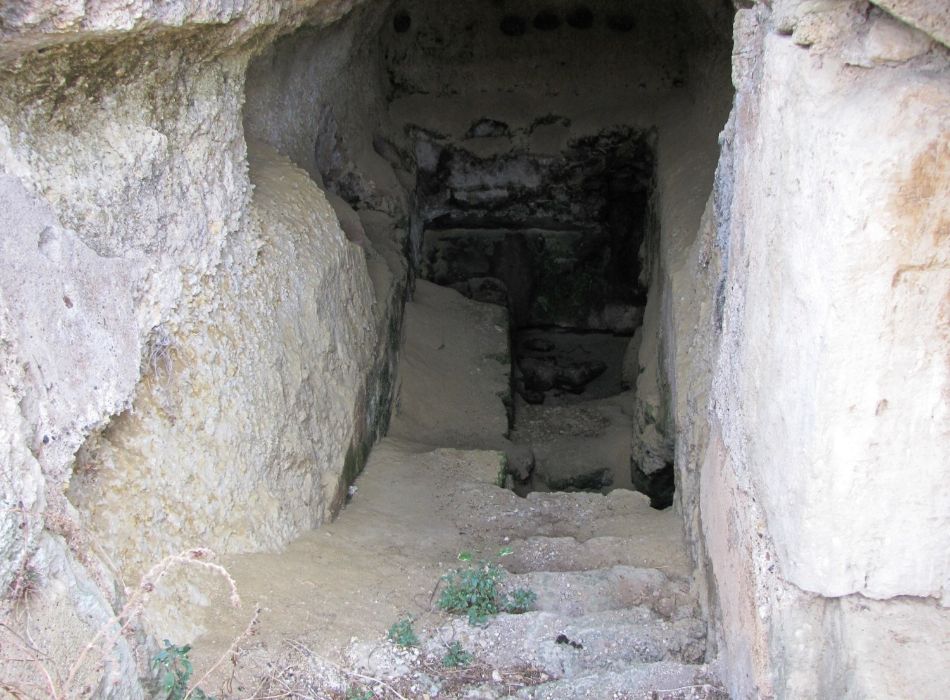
{"points": [[791, 362], [613, 609]]}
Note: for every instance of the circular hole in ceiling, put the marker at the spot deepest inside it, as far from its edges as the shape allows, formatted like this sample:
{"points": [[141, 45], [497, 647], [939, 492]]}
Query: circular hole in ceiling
{"points": [[401, 22], [546, 21], [620, 23], [580, 17], [513, 25]]}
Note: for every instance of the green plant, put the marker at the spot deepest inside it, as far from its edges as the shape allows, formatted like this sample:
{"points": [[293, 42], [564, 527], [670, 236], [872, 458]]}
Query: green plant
{"points": [[520, 600], [456, 656], [357, 693], [402, 634], [473, 591], [176, 669]]}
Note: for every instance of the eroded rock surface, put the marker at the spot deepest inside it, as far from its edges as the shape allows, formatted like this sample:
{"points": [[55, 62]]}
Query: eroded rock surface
{"points": [[198, 347]]}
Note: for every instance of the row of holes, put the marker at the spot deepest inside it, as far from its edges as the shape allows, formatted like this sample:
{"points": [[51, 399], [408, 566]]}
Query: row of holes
{"points": [[546, 21]]}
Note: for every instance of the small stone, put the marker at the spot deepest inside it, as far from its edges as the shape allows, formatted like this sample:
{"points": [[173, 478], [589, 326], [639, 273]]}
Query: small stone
{"points": [[531, 396], [521, 459], [576, 376], [539, 375]]}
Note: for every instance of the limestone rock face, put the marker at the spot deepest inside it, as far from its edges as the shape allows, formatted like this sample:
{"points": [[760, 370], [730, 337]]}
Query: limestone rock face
{"points": [[932, 18], [238, 435], [187, 366], [36, 23], [878, 247], [823, 476]]}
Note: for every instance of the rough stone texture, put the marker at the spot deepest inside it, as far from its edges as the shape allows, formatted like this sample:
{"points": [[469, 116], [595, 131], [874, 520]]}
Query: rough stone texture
{"points": [[71, 608], [796, 340], [764, 520], [121, 192], [822, 418], [822, 292], [889, 648], [300, 99], [39, 24], [110, 174], [296, 348], [672, 349], [930, 17], [130, 238]]}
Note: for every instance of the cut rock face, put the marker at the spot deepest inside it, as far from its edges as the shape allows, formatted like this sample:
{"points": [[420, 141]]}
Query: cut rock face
{"points": [[563, 231]]}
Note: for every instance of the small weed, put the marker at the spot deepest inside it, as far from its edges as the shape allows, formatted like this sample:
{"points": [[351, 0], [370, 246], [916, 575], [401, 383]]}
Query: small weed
{"points": [[176, 670], [474, 591], [520, 600], [456, 656], [402, 634], [357, 693]]}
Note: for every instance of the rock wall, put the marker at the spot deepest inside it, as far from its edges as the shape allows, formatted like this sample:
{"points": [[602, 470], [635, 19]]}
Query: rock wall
{"points": [[197, 344], [672, 350], [317, 96], [301, 98], [669, 353], [816, 293], [193, 354], [238, 436]]}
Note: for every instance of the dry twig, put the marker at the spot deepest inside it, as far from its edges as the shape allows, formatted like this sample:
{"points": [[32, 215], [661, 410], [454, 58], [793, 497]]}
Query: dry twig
{"points": [[229, 652]]}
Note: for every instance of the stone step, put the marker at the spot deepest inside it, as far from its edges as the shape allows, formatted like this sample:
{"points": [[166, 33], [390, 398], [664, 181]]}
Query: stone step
{"points": [[498, 516], [564, 646], [612, 640], [542, 553], [580, 515], [579, 593], [454, 371], [665, 680]]}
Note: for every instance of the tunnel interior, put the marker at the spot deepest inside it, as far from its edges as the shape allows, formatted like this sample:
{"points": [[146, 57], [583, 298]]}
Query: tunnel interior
{"points": [[557, 239], [527, 134], [555, 158]]}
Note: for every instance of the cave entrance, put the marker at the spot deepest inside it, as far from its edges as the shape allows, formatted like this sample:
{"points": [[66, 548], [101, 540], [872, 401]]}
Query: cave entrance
{"points": [[559, 240], [556, 152]]}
